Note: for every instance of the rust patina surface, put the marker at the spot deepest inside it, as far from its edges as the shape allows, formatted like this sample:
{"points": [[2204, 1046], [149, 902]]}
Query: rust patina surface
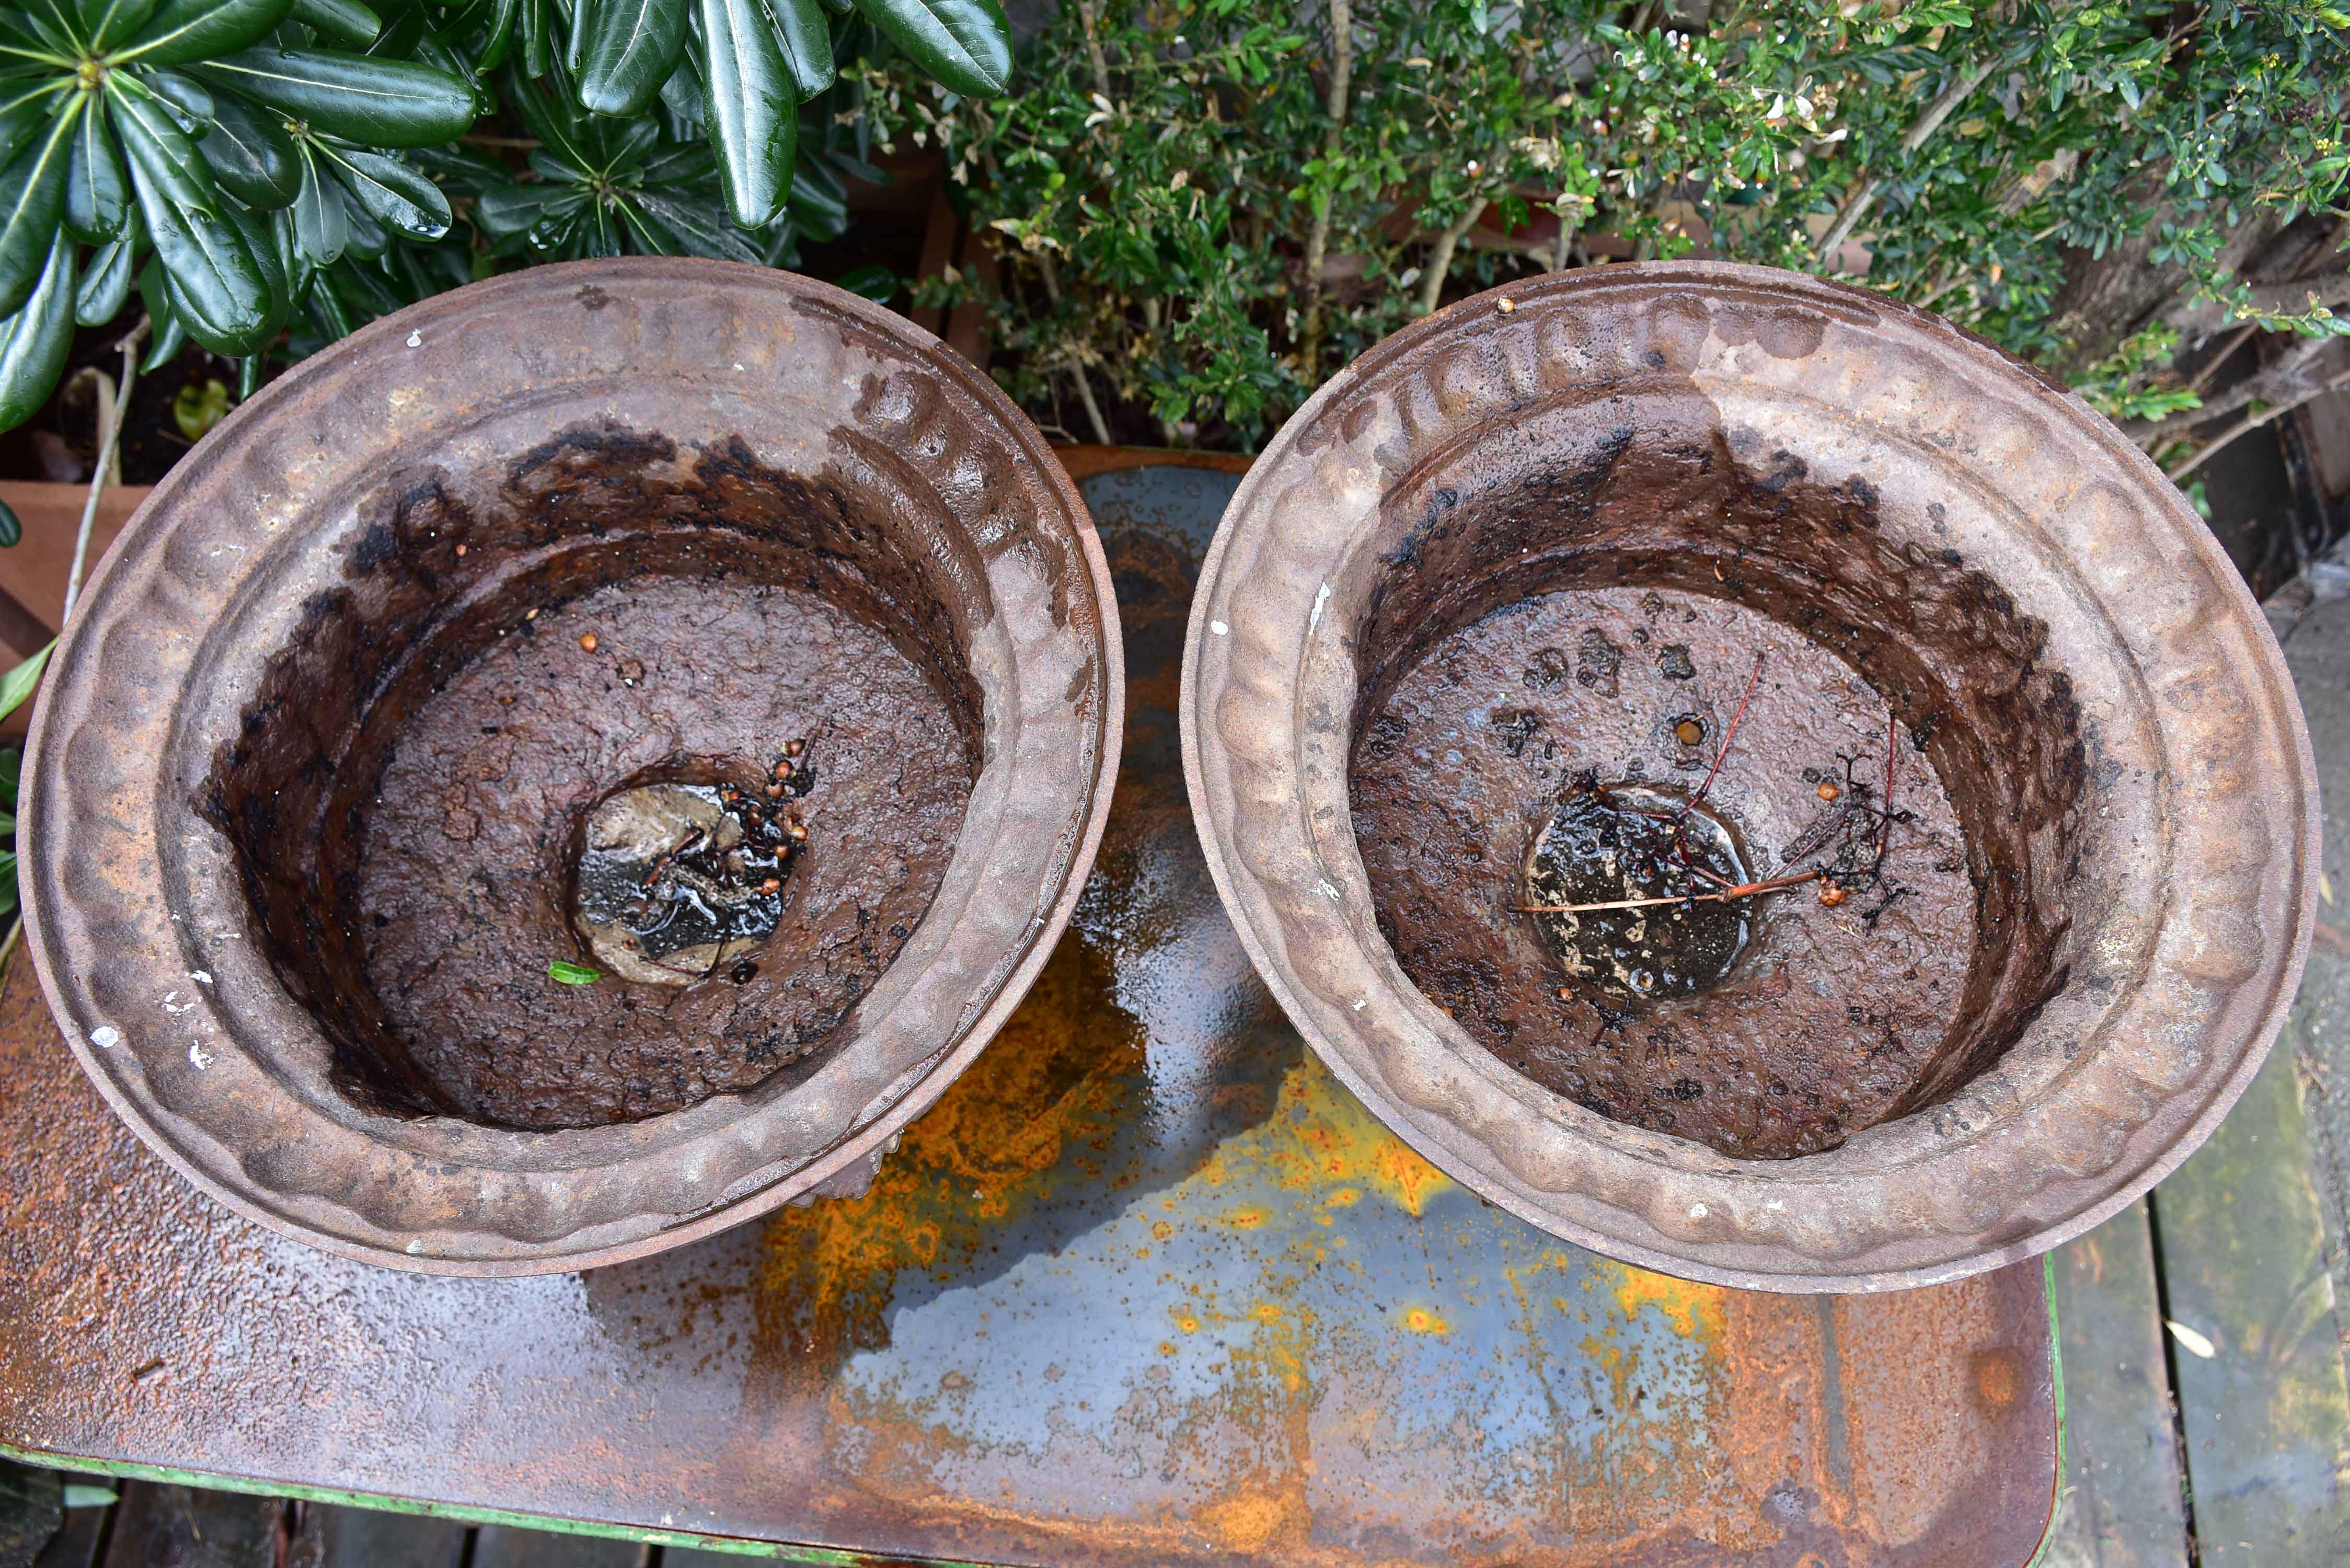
{"points": [[2111, 876], [1148, 1286], [309, 783]]}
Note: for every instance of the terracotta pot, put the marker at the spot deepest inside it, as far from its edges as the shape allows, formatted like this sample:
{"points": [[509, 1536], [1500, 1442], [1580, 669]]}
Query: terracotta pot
{"points": [[314, 787], [1849, 504]]}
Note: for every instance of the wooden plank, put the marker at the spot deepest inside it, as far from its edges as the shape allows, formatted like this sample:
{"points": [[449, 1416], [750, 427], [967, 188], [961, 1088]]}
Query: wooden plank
{"points": [[330, 1535], [32, 571], [506, 1546], [158, 1526], [2121, 1506], [2242, 1257], [30, 1512], [77, 1546]]}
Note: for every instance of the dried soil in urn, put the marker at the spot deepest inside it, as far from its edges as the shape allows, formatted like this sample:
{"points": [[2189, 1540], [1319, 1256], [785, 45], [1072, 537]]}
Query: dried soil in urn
{"points": [[466, 880], [1829, 1015]]}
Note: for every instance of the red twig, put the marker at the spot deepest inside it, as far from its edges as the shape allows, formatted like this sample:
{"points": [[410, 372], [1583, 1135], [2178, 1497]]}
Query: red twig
{"points": [[1726, 736], [1744, 890]]}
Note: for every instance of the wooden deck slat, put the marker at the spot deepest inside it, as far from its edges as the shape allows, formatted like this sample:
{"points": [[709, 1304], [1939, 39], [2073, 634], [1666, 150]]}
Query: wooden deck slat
{"points": [[333, 1536], [158, 1526], [2243, 1261], [504, 1546], [2121, 1506]]}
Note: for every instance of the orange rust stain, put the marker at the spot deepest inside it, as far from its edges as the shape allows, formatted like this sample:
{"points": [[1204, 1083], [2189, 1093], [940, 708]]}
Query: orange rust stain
{"points": [[1420, 1320], [1253, 1520], [1694, 1310], [1320, 1139], [1246, 1218], [1054, 1082], [1266, 1312], [1161, 1232]]}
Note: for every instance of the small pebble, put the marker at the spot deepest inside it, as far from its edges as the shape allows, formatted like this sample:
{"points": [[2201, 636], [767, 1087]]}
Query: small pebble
{"points": [[770, 886], [1688, 731], [1831, 895], [1829, 792], [798, 830], [631, 671], [587, 642], [1505, 306], [775, 789], [461, 551], [794, 748]]}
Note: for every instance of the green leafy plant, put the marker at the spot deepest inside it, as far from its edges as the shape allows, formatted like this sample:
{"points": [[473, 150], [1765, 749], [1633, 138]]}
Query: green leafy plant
{"points": [[265, 175], [743, 67], [1205, 207], [211, 153], [570, 974]]}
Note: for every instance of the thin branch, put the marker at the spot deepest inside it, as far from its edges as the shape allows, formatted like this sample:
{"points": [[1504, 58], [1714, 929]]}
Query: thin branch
{"points": [[1864, 195], [1089, 18], [1744, 890], [109, 440], [2236, 340], [2251, 422], [1439, 260], [1726, 736], [2271, 383], [1086, 396], [1333, 141]]}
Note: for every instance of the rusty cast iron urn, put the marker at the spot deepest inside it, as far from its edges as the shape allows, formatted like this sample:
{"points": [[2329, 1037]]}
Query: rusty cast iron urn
{"points": [[1750, 778], [577, 763]]}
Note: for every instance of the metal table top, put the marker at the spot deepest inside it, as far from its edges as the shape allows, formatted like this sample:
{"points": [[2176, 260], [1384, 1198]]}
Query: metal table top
{"points": [[1148, 1286]]}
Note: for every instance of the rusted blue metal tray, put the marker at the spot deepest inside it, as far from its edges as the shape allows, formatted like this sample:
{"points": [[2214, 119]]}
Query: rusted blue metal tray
{"points": [[1146, 1286]]}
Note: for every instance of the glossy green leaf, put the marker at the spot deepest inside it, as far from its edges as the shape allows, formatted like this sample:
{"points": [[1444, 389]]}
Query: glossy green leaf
{"points": [[167, 334], [571, 973], [56, 21], [754, 110], [32, 197], [342, 21], [220, 287], [250, 154], [689, 230], [875, 282], [185, 30], [683, 94], [369, 239], [503, 210], [500, 41], [383, 103], [965, 43], [806, 38], [538, 42], [98, 193], [327, 309], [185, 94], [33, 342], [259, 239], [106, 287], [105, 22], [18, 684], [320, 231], [12, 531], [628, 48], [392, 192]]}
